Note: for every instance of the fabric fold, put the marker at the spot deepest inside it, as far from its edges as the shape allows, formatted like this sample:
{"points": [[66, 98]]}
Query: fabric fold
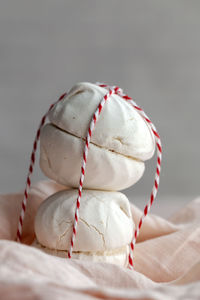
{"points": [[166, 258]]}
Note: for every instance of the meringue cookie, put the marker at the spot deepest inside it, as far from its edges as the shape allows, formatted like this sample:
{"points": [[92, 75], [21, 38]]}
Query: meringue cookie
{"points": [[105, 226], [120, 128], [120, 142], [61, 157], [118, 257]]}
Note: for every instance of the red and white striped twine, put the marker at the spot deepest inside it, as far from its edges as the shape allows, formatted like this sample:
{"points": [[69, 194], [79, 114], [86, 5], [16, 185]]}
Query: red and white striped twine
{"points": [[158, 166], [30, 171], [111, 90]]}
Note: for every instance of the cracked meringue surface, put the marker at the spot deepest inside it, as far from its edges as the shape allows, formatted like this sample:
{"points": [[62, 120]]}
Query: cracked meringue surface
{"points": [[61, 157], [120, 142], [120, 127], [105, 226]]}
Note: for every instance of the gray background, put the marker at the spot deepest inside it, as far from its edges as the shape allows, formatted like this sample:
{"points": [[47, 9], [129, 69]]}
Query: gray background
{"points": [[150, 48]]}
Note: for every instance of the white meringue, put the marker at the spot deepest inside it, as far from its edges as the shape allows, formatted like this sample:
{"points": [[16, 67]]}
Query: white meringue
{"points": [[120, 142], [105, 221]]}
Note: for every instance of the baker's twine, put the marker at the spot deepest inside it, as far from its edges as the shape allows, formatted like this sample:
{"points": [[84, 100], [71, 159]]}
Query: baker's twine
{"points": [[111, 90], [31, 167]]}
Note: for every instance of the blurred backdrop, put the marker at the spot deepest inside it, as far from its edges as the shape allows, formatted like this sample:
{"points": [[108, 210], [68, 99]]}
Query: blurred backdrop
{"points": [[150, 48]]}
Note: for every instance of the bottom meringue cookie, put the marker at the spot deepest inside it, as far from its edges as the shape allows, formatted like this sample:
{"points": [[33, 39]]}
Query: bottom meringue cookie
{"points": [[104, 230], [116, 256]]}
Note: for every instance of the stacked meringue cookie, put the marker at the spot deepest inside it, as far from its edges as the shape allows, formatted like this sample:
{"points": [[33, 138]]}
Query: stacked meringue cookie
{"points": [[120, 143]]}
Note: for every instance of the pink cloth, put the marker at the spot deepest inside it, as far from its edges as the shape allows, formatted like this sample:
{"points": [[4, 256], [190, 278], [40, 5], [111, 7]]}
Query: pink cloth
{"points": [[167, 259]]}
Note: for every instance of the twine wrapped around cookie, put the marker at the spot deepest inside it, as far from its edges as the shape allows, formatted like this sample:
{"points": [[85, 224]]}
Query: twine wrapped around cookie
{"points": [[111, 90]]}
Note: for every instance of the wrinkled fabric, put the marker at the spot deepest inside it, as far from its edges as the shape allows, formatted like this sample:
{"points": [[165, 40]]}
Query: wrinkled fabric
{"points": [[166, 258]]}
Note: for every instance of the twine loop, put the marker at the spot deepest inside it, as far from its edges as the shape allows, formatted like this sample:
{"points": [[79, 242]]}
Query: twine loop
{"points": [[110, 91]]}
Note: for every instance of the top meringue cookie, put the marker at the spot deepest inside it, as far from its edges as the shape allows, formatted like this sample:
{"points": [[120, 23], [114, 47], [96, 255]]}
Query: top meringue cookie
{"points": [[121, 141]]}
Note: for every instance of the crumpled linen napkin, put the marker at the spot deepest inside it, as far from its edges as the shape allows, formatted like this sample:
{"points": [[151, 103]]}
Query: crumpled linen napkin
{"points": [[166, 258]]}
